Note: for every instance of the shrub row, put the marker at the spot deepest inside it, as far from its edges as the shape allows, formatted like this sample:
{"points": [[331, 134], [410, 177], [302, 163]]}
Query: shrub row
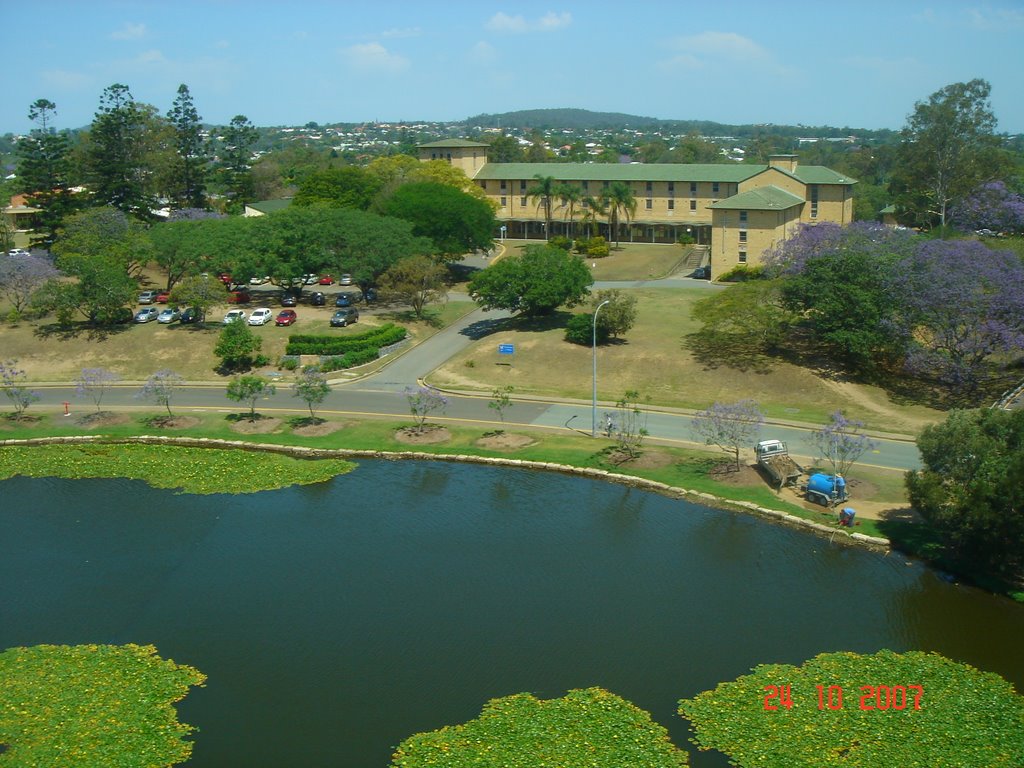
{"points": [[348, 360], [374, 339]]}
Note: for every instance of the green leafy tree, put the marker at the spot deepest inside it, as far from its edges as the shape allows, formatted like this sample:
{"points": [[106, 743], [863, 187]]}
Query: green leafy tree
{"points": [[618, 315], [581, 330], [115, 705], [590, 727], [416, 281], [237, 346], [505, 149], [249, 389], [455, 222], [312, 388], [970, 488], [198, 292], [44, 171], [935, 712], [188, 179], [539, 281], [948, 148], [619, 202], [117, 152], [544, 193], [348, 187], [748, 316]]}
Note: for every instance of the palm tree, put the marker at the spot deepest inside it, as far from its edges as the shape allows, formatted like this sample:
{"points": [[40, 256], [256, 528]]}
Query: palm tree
{"points": [[620, 199], [570, 195], [544, 192], [592, 208]]}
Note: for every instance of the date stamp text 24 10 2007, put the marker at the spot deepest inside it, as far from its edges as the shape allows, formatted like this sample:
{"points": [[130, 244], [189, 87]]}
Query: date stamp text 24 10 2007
{"points": [[873, 697]]}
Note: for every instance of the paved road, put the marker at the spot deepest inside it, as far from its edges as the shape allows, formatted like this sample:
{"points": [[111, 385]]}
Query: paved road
{"points": [[381, 394]]}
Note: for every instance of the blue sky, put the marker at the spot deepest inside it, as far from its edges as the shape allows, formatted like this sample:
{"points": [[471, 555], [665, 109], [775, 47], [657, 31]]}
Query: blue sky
{"points": [[860, 64]]}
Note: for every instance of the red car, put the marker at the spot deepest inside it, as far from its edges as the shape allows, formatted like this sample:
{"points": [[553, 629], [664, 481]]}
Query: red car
{"points": [[239, 297], [326, 280], [225, 278], [286, 317], [163, 297]]}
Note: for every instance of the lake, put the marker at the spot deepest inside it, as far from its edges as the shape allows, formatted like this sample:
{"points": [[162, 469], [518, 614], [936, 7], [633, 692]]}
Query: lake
{"points": [[335, 620]]}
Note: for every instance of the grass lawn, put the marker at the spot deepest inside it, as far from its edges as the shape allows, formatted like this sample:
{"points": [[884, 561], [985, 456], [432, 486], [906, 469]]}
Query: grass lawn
{"points": [[634, 261], [134, 351], [652, 360]]}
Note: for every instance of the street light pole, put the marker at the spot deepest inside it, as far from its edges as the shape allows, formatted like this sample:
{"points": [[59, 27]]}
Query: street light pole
{"points": [[593, 421]]}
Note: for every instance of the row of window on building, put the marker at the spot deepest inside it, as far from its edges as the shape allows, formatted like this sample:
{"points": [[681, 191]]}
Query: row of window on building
{"points": [[585, 186]]}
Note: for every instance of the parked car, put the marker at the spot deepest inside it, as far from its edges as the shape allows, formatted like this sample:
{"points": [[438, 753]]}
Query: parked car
{"points": [[259, 280], [191, 315], [310, 279], [169, 315], [163, 297], [326, 280], [370, 294], [702, 273], [260, 316], [317, 299], [18, 252], [345, 300], [343, 317], [233, 315], [146, 314], [289, 300], [286, 317], [345, 280], [148, 297], [225, 278], [239, 297]]}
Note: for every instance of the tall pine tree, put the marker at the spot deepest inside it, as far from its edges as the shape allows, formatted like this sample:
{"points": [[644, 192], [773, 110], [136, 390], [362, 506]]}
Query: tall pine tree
{"points": [[188, 178], [43, 171]]}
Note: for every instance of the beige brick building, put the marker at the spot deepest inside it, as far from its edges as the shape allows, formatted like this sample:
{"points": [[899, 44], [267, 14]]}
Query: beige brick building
{"points": [[738, 211]]}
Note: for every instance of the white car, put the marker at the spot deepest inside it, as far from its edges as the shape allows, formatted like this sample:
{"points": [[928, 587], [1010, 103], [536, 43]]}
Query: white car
{"points": [[259, 280], [233, 315], [18, 252], [260, 316], [345, 280]]}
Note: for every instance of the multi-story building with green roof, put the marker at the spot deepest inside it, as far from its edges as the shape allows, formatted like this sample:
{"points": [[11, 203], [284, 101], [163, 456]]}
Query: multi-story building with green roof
{"points": [[738, 211]]}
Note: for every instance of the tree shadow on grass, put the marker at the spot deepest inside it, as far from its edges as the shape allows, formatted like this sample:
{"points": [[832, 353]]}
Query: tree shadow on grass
{"points": [[483, 328], [296, 422], [730, 350], [541, 323], [73, 331]]}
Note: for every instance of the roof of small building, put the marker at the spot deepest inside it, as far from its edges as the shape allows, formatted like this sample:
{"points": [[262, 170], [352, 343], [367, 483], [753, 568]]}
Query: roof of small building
{"points": [[889, 209], [768, 198], [451, 143], [270, 206]]}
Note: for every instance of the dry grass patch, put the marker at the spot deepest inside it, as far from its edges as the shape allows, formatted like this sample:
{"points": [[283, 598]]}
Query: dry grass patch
{"points": [[99, 419], [262, 425], [172, 422], [313, 427], [431, 434], [504, 441]]}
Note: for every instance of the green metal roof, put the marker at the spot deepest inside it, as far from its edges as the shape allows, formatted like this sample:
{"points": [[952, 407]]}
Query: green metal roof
{"points": [[891, 208], [451, 143], [678, 172], [767, 198], [270, 206], [620, 172]]}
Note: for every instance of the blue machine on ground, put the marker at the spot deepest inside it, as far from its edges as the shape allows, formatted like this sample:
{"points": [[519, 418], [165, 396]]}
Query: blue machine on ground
{"points": [[826, 489]]}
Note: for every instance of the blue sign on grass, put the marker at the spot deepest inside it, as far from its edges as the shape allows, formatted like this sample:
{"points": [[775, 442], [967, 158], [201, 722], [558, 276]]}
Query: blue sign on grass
{"points": [[506, 349]]}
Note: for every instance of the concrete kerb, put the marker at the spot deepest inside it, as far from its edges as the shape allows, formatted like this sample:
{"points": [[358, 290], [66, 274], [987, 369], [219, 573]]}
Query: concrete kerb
{"points": [[304, 452]]}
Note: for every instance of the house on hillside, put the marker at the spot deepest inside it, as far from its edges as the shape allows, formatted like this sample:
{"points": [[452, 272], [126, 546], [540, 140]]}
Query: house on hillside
{"points": [[737, 211], [263, 207], [20, 218]]}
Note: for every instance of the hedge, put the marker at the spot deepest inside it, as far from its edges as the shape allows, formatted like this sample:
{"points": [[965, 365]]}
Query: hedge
{"points": [[375, 338]]}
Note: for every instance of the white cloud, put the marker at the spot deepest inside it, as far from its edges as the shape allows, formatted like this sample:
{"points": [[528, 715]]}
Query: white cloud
{"points": [[401, 32], [995, 18], [129, 31], [375, 57], [151, 56], [66, 80], [549, 22], [483, 53], [727, 44]]}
